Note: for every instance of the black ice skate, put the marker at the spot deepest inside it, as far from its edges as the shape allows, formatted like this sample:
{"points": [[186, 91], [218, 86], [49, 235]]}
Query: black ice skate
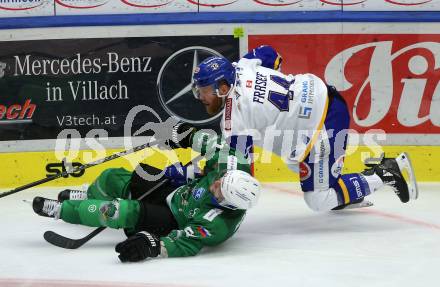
{"points": [[70, 194], [392, 172], [46, 207]]}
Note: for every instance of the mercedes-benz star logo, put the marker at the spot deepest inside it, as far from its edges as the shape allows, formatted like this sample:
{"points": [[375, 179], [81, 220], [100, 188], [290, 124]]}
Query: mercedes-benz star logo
{"points": [[178, 100]]}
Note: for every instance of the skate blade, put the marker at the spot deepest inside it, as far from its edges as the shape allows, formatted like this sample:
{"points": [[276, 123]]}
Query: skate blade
{"points": [[364, 203], [407, 171]]}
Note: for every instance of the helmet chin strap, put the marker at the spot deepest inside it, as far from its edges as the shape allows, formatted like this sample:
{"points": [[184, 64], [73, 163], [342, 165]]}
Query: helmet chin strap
{"points": [[231, 88]]}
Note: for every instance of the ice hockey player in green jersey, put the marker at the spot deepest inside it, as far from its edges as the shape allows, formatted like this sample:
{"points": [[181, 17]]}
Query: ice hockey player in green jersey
{"points": [[169, 222]]}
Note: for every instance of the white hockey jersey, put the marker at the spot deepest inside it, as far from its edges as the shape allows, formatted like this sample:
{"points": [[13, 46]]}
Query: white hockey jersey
{"points": [[283, 114]]}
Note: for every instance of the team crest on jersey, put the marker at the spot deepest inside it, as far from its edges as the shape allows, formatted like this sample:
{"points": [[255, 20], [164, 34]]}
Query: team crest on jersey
{"points": [[249, 84], [198, 193], [228, 114], [304, 171]]}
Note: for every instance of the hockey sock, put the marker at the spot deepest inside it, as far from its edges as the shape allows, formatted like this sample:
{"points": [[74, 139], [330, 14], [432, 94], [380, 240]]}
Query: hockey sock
{"points": [[374, 182], [96, 213], [354, 186]]}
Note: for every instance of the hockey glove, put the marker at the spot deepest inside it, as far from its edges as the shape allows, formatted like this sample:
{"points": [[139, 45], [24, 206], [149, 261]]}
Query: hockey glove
{"points": [[138, 247], [180, 175]]}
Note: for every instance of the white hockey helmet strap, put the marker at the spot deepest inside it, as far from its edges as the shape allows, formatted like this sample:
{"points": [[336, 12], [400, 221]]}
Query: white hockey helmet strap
{"points": [[231, 88], [240, 190]]}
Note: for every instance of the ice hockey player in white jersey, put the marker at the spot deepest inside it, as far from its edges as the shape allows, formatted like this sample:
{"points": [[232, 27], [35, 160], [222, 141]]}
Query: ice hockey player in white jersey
{"points": [[301, 119]]}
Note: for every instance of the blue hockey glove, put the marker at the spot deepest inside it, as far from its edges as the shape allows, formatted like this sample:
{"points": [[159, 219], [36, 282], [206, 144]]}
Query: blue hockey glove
{"points": [[180, 175]]}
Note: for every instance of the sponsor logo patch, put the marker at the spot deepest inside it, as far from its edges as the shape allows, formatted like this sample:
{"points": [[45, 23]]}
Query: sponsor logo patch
{"points": [[213, 213], [228, 114], [357, 187], [92, 208], [304, 171], [305, 112], [198, 193], [337, 166], [17, 113]]}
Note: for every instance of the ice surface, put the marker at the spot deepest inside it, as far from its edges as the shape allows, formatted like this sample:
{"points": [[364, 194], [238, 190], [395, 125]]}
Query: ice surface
{"points": [[280, 243]]}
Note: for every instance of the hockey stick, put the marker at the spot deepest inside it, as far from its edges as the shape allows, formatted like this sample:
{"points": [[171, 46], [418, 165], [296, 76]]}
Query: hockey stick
{"points": [[68, 243], [79, 168]]}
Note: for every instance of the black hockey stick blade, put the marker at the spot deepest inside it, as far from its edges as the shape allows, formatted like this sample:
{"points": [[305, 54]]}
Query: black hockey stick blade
{"points": [[68, 243]]}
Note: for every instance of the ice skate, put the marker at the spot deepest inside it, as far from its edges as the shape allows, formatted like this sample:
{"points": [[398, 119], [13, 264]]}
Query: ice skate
{"points": [[47, 207], [397, 173], [71, 194]]}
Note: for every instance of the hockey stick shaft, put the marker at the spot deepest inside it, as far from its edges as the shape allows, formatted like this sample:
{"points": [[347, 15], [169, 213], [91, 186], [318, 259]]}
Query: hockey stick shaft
{"points": [[68, 243], [79, 168]]}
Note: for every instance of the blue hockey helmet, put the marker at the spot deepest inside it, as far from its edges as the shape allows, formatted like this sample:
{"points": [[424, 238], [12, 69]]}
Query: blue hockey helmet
{"points": [[212, 70]]}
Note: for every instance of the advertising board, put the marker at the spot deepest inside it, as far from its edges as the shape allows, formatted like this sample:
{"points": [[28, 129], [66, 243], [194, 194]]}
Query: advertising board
{"points": [[47, 86]]}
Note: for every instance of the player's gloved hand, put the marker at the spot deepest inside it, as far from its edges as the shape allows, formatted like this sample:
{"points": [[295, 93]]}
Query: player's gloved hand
{"points": [[138, 247], [268, 55], [180, 175]]}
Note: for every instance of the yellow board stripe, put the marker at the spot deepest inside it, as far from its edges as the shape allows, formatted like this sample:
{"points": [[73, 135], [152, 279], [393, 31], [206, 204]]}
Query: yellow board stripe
{"points": [[344, 191], [24, 167], [317, 132]]}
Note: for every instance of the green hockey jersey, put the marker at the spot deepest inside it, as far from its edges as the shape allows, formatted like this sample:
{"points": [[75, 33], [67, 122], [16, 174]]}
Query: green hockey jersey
{"points": [[201, 221]]}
